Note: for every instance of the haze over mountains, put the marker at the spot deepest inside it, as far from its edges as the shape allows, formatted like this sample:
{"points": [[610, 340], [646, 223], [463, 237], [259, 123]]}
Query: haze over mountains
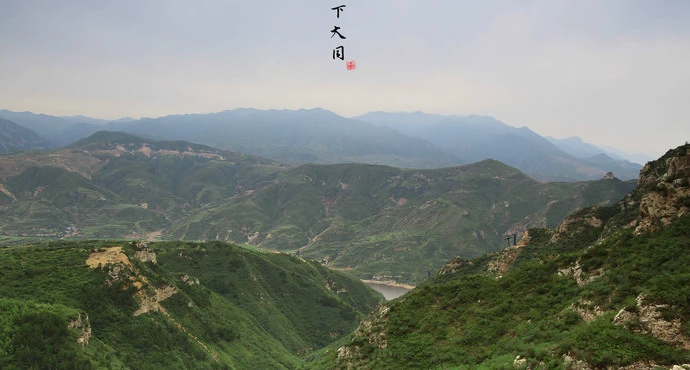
{"points": [[14, 137], [575, 146], [474, 138], [407, 140]]}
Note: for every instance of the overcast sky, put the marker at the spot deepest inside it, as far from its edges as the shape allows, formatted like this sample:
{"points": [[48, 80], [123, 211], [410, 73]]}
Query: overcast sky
{"points": [[614, 72]]}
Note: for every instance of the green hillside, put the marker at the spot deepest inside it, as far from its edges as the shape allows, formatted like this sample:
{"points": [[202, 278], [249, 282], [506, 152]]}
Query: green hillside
{"points": [[608, 288], [382, 222], [118, 185], [390, 222], [96, 304]]}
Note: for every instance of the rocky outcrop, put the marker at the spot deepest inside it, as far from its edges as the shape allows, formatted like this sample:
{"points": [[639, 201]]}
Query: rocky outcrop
{"points": [[83, 327], [520, 363], [588, 310], [582, 278], [575, 223], [114, 261], [453, 266], [665, 183], [368, 333], [189, 280], [648, 320], [572, 364], [145, 254], [502, 262]]}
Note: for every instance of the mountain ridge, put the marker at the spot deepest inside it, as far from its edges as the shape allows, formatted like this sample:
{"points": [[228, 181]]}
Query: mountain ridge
{"points": [[410, 140], [575, 146], [476, 137], [378, 220]]}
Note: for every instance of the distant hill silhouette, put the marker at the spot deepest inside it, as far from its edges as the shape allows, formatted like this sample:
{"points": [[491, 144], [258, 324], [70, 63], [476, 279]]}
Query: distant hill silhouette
{"points": [[474, 138], [14, 137], [407, 140]]}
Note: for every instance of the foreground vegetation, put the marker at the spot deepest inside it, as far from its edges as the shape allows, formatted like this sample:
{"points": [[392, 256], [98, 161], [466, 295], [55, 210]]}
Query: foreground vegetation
{"points": [[195, 305], [469, 320]]}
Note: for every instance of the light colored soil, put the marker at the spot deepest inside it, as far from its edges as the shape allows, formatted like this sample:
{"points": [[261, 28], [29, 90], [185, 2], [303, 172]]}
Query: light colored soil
{"points": [[152, 236], [110, 255], [7, 192]]}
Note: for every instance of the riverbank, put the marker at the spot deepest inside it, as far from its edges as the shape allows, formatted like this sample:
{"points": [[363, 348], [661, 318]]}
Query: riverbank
{"points": [[388, 283]]}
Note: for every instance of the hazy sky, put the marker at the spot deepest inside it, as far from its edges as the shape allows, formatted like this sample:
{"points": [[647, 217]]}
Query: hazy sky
{"points": [[614, 72]]}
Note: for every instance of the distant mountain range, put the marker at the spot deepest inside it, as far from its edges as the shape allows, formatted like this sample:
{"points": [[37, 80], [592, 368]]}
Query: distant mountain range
{"points": [[14, 137], [575, 146], [407, 140], [474, 138]]}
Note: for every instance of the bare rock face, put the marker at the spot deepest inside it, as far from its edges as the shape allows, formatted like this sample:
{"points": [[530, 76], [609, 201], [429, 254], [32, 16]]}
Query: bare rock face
{"points": [[112, 255]]}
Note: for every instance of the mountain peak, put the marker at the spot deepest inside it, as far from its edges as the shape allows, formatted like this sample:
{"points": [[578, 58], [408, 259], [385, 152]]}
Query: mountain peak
{"points": [[664, 189], [107, 137]]}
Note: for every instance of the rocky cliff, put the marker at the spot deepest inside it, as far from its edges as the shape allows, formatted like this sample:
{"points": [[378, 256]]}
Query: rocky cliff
{"points": [[665, 189]]}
